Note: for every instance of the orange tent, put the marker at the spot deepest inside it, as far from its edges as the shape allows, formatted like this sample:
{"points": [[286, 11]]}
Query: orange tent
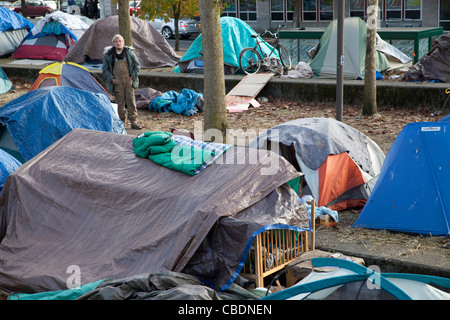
{"points": [[339, 163], [68, 74]]}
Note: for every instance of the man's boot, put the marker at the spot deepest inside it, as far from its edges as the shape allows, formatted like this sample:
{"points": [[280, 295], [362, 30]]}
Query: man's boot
{"points": [[135, 125]]}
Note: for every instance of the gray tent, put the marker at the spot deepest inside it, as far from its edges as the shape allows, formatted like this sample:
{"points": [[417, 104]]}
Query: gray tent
{"points": [[152, 50], [89, 201]]}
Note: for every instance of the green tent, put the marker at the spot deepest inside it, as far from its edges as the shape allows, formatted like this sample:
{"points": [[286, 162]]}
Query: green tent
{"points": [[5, 84], [355, 33], [236, 36]]}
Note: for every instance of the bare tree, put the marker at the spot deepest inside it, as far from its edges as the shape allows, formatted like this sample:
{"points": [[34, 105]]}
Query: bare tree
{"points": [[215, 112], [370, 85]]}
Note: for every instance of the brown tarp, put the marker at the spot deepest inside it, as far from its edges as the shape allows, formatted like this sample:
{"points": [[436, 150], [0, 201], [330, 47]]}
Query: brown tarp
{"points": [[435, 65], [151, 48], [144, 97], [89, 201]]}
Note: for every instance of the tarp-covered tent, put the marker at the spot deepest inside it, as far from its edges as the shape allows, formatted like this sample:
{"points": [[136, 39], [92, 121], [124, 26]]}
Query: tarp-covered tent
{"points": [[339, 279], [40, 117], [13, 28], [412, 193], [151, 48], [73, 22], [68, 75], [88, 201], [435, 65], [51, 42], [236, 35], [340, 163], [5, 84], [355, 33], [8, 164]]}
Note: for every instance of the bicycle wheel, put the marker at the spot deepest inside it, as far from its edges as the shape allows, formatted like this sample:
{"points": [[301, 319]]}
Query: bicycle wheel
{"points": [[250, 61], [285, 57]]}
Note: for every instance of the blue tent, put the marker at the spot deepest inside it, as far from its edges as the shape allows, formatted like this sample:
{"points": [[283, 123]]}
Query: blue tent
{"points": [[412, 193], [347, 280], [8, 164], [41, 117]]}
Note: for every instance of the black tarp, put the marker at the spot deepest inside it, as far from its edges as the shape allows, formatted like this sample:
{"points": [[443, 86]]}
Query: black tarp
{"points": [[435, 65]]}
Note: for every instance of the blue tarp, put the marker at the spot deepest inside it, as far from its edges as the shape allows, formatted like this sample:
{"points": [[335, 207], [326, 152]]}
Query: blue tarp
{"points": [[8, 164], [172, 101], [412, 193], [52, 28], [9, 20], [41, 117]]}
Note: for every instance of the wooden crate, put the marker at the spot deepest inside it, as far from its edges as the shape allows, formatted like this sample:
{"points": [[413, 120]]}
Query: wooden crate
{"points": [[272, 250]]}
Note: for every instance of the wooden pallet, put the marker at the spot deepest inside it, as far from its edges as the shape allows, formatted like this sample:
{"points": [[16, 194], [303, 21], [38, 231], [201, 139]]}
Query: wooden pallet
{"points": [[272, 250]]}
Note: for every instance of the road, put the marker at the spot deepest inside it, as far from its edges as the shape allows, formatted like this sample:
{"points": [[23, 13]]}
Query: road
{"points": [[184, 44]]}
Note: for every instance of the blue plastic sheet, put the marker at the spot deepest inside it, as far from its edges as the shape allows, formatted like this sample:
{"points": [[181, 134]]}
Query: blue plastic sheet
{"points": [[171, 101], [41, 117]]}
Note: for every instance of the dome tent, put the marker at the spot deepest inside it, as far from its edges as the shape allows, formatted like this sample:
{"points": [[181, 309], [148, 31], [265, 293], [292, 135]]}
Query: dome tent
{"points": [[151, 48], [347, 280], [413, 190], [339, 163], [236, 35], [37, 119], [68, 75]]}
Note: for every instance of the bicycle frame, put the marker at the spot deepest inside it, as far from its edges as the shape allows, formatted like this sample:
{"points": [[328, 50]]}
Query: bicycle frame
{"points": [[270, 41]]}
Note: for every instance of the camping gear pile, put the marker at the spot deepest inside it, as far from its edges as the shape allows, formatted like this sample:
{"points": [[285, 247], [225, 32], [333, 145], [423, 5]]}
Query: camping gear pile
{"points": [[435, 65]]}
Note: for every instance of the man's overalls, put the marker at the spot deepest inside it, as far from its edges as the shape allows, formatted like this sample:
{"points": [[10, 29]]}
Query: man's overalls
{"points": [[124, 92]]}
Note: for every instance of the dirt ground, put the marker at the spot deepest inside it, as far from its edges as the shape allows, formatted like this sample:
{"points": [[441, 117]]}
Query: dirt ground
{"points": [[383, 129]]}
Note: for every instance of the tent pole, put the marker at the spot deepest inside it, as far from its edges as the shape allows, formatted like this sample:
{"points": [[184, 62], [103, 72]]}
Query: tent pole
{"points": [[340, 62]]}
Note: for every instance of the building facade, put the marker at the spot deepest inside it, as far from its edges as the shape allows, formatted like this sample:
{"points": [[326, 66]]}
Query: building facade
{"points": [[265, 14]]}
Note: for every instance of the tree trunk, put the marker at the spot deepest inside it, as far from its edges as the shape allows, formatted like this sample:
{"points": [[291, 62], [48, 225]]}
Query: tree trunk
{"points": [[215, 112], [125, 22], [296, 18], [370, 86], [24, 8], [176, 19]]}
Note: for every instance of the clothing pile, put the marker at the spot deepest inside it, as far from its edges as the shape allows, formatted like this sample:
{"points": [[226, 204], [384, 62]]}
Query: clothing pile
{"points": [[177, 152]]}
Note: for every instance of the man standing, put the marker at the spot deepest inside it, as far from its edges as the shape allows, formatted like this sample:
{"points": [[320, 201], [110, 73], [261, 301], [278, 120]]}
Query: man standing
{"points": [[121, 71]]}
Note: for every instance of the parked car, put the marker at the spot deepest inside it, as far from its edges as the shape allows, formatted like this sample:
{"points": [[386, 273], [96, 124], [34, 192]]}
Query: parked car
{"points": [[6, 4], [51, 4], [35, 8], [186, 27], [134, 6], [79, 3]]}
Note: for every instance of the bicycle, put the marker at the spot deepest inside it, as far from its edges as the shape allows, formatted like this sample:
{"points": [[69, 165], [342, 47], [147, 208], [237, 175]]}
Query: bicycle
{"points": [[252, 58]]}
